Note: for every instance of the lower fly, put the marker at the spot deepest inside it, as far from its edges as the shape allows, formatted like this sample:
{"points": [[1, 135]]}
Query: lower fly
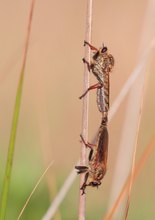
{"points": [[97, 164]]}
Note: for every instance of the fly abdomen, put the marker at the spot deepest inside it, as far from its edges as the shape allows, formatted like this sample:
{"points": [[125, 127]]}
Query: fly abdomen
{"points": [[102, 102]]}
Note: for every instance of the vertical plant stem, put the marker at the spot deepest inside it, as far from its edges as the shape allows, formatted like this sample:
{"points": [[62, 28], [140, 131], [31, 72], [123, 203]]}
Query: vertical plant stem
{"points": [[82, 198], [136, 171], [9, 162]]}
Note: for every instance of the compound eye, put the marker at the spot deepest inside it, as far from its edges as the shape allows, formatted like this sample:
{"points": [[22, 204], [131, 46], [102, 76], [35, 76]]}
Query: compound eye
{"points": [[94, 184], [104, 49]]}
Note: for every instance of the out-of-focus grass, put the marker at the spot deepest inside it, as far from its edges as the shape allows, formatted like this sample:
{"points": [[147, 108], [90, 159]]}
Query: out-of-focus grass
{"points": [[10, 155], [24, 178], [14, 125], [36, 207], [22, 182], [142, 210]]}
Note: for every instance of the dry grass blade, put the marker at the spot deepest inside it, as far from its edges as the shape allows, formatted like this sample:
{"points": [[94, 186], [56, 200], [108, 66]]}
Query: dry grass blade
{"points": [[59, 198], [148, 25], [136, 171], [8, 169], [134, 153], [34, 189], [85, 104]]}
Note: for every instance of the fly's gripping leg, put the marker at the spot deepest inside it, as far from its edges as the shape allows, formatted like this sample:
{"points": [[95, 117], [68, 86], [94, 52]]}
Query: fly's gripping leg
{"points": [[95, 86], [84, 185], [89, 66], [91, 46], [87, 144]]}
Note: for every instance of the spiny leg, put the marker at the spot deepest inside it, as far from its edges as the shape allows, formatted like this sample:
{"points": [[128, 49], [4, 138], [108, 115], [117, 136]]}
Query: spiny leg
{"points": [[95, 86], [91, 46], [83, 187], [89, 66]]}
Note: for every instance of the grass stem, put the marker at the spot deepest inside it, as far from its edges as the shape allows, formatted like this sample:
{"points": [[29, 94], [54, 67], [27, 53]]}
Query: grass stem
{"points": [[82, 199], [9, 162]]}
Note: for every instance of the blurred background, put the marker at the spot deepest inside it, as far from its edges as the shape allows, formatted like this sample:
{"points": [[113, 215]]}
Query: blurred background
{"points": [[51, 115]]}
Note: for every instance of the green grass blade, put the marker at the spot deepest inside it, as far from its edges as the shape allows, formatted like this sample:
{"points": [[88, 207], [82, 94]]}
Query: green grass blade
{"points": [[9, 162], [7, 177]]}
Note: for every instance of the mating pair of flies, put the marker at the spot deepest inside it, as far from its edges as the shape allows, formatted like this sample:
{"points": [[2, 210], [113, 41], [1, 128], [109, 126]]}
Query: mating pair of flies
{"points": [[101, 65]]}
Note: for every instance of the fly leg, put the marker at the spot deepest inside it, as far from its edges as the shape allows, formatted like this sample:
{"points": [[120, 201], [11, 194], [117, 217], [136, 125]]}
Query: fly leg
{"points": [[91, 46], [95, 86], [87, 144], [89, 66], [84, 185], [90, 155], [91, 146]]}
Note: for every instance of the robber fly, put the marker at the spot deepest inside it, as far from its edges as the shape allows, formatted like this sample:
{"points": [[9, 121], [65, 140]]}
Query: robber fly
{"points": [[97, 165], [101, 65]]}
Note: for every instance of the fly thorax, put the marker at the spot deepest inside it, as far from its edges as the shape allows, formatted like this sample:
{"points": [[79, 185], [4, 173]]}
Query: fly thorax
{"points": [[99, 173], [108, 63]]}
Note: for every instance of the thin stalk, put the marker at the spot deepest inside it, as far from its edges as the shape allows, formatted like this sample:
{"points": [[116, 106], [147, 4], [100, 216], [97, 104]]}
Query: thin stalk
{"points": [[143, 77], [134, 152], [136, 170], [60, 196], [8, 169], [82, 199], [146, 34], [34, 189]]}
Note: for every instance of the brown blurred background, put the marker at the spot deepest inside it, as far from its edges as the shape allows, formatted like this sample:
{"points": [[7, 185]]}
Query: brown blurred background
{"points": [[50, 117]]}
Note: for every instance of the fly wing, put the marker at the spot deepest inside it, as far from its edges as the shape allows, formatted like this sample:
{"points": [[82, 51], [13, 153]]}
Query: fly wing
{"points": [[81, 169], [103, 145]]}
